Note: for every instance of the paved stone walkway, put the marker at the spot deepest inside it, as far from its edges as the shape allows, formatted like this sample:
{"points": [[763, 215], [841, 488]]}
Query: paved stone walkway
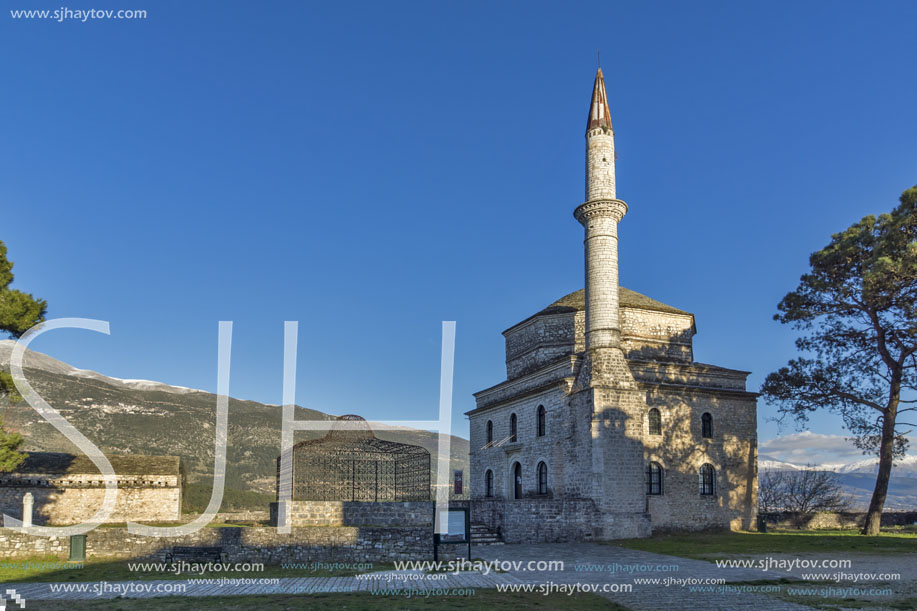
{"points": [[585, 566], [378, 582], [597, 564], [902, 564]]}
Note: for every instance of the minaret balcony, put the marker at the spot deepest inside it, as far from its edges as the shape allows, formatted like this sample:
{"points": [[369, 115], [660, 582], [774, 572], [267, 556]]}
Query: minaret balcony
{"points": [[600, 208]]}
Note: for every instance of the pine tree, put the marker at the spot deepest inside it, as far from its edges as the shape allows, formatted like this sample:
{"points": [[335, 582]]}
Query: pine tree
{"points": [[19, 312], [10, 456], [858, 310]]}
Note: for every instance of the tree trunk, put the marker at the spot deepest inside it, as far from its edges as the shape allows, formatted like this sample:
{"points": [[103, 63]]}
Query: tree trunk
{"points": [[874, 516]]}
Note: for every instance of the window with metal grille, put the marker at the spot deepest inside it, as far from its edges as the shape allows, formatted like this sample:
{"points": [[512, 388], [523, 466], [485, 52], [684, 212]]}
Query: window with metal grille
{"points": [[542, 478], [489, 483], [542, 421], [707, 480]]}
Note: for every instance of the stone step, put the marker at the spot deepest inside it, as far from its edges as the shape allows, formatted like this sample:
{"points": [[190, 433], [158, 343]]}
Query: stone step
{"points": [[482, 535]]}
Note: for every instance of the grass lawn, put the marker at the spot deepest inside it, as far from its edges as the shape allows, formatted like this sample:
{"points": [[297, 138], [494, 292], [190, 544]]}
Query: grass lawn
{"points": [[484, 600], [706, 545], [117, 570]]}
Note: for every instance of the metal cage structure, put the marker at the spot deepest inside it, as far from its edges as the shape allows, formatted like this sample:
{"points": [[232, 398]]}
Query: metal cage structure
{"points": [[352, 464]]}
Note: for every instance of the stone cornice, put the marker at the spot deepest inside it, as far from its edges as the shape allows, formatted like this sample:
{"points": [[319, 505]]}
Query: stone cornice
{"points": [[687, 388], [45, 480], [557, 373]]}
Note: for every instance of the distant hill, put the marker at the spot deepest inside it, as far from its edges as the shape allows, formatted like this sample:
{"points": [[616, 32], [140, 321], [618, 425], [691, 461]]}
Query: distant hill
{"points": [[146, 417], [859, 479]]}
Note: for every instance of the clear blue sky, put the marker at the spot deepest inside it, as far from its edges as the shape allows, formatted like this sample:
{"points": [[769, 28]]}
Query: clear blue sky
{"points": [[371, 169]]}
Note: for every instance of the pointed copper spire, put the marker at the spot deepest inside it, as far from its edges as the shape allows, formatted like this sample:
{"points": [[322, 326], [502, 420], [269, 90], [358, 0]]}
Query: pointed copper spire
{"points": [[599, 115]]}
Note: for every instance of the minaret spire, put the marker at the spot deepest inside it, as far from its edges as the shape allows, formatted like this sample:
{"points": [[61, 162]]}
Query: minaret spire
{"points": [[599, 115]]}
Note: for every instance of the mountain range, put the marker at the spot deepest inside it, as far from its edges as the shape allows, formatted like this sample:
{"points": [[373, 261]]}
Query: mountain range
{"points": [[143, 417], [858, 479]]}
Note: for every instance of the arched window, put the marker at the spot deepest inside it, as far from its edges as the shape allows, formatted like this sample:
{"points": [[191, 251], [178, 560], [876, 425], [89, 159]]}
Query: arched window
{"points": [[707, 480], [512, 428], [489, 483], [490, 432], [706, 425], [517, 481], [654, 419], [542, 421], [653, 478], [542, 478]]}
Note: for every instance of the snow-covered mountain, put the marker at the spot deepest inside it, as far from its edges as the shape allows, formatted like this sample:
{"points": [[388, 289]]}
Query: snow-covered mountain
{"points": [[908, 465], [37, 360], [858, 478], [904, 466]]}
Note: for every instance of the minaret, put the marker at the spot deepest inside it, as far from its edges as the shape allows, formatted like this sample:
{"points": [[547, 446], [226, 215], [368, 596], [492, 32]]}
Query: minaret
{"points": [[600, 215], [605, 391]]}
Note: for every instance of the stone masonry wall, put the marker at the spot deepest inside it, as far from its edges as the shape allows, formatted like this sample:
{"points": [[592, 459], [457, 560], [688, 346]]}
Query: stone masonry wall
{"points": [[652, 335], [529, 449], [537, 343], [343, 544], [344, 513], [61, 506], [538, 520], [618, 464], [681, 449], [549, 520], [835, 519], [645, 335], [575, 472]]}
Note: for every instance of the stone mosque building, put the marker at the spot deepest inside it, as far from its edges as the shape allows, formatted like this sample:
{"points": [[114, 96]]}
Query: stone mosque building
{"points": [[606, 427]]}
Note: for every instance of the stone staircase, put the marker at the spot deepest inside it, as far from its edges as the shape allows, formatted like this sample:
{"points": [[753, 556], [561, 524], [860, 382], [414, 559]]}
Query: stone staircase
{"points": [[482, 535]]}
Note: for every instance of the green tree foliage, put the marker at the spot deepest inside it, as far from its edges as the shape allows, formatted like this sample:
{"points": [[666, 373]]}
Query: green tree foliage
{"points": [[19, 312], [857, 309], [10, 456]]}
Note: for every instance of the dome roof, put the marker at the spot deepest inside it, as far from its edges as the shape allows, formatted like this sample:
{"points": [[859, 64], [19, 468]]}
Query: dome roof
{"points": [[627, 298], [576, 302]]}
